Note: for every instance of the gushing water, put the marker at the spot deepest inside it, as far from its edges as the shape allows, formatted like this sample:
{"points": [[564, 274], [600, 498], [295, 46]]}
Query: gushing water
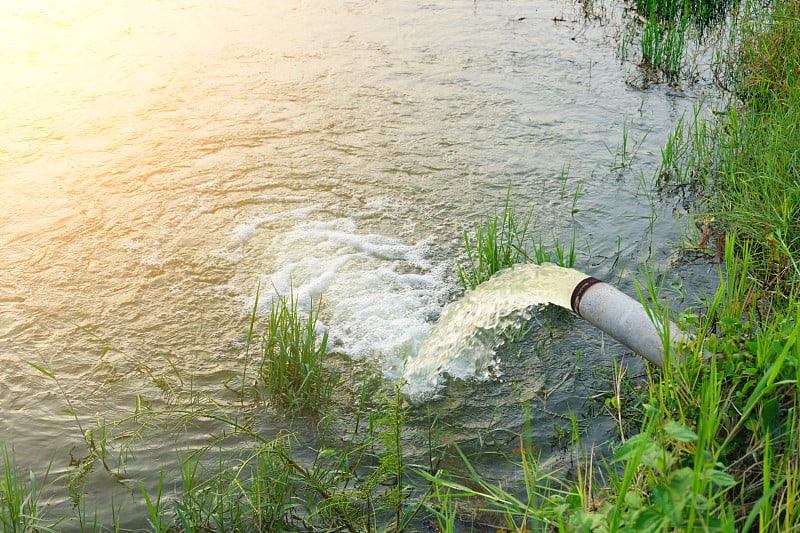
{"points": [[464, 341]]}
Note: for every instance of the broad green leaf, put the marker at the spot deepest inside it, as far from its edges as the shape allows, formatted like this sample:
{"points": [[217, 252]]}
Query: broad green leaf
{"points": [[720, 478], [679, 432]]}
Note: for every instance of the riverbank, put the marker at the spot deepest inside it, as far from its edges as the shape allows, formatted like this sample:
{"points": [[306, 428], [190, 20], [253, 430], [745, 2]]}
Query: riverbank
{"points": [[718, 447]]}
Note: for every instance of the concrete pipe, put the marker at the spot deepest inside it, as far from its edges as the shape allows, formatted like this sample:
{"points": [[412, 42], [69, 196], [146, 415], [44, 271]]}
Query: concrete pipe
{"points": [[623, 318]]}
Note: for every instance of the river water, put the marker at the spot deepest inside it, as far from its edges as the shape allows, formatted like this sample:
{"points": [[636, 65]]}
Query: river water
{"points": [[160, 160]]}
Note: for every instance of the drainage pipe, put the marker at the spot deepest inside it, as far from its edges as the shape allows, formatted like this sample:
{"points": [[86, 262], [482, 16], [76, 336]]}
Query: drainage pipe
{"points": [[623, 318]]}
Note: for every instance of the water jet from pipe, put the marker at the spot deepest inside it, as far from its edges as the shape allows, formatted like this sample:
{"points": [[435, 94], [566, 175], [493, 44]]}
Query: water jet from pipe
{"points": [[462, 343]]}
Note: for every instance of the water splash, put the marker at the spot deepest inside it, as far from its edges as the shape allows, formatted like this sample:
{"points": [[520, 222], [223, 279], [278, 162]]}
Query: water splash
{"points": [[463, 342], [378, 293]]}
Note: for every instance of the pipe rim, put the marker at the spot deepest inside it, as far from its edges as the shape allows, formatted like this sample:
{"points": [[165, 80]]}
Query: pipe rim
{"points": [[579, 290]]}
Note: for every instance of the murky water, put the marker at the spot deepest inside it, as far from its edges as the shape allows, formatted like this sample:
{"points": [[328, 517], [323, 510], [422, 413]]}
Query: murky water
{"points": [[159, 160]]}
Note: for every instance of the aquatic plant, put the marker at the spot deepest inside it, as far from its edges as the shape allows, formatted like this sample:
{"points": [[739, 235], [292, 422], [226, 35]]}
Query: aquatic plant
{"points": [[292, 368], [499, 243], [662, 29], [700, 13], [663, 45], [21, 508]]}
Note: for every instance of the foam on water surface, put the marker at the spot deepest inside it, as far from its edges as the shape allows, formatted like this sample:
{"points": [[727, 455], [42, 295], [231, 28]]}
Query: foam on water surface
{"points": [[379, 295]]}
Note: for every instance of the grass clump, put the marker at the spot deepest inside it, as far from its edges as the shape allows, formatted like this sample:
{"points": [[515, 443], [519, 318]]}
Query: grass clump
{"points": [[663, 41], [21, 508], [294, 375], [360, 486], [663, 28], [502, 240], [499, 243]]}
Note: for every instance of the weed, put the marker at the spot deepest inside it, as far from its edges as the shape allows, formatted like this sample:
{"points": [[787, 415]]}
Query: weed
{"points": [[499, 243], [293, 371], [21, 508], [662, 28], [626, 151]]}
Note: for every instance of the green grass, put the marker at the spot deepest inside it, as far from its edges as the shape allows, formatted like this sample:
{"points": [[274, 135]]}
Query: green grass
{"points": [[717, 448], [709, 443], [742, 403], [663, 45], [700, 13], [21, 505], [664, 30], [756, 181], [744, 160], [499, 242], [504, 239], [293, 372]]}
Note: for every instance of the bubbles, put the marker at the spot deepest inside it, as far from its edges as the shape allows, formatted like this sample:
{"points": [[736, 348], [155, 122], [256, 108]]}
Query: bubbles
{"points": [[379, 294], [463, 342]]}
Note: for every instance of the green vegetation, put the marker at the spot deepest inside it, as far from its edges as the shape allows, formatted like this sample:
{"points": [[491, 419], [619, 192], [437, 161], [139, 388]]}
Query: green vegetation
{"points": [[757, 145], [499, 243], [717, 448], [20, 496], [665, 28], [743, 403], [710, 443], [743, 161], [502, 240], [292, 368]]}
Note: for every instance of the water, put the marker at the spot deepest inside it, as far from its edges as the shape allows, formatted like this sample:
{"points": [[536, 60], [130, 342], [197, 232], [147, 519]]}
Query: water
{"points": [[464, 341], [160, 160]]}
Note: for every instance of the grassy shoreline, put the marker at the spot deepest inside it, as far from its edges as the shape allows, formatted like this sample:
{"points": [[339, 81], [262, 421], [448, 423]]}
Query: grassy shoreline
{"points": [[718, 447]]}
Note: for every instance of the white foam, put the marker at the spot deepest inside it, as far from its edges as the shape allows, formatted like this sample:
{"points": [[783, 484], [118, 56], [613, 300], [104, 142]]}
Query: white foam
{"points": [[378, 293], [244, 232]]}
